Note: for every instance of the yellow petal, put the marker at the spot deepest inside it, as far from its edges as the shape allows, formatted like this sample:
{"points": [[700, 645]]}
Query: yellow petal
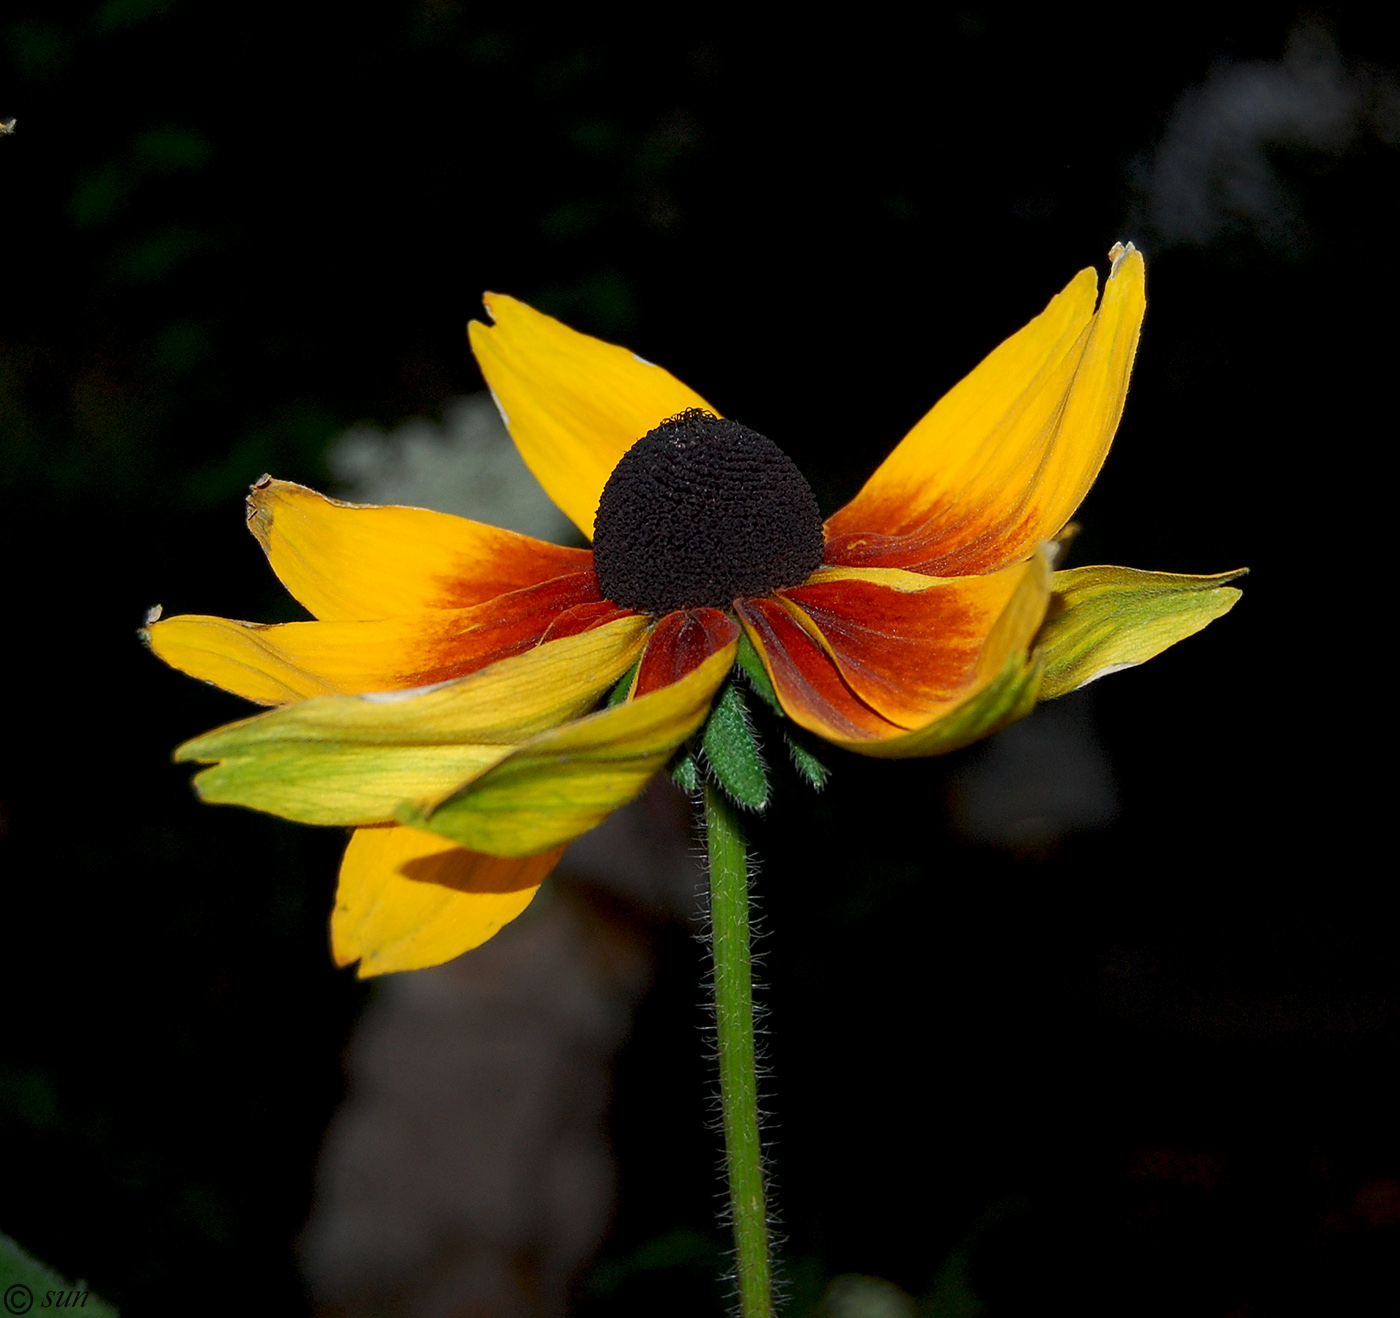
{"points": [[348, 561], [1104, 619], [354, 759], [1003, 460], [408, 899], [566, 781], [275, 663], [573, 404], [242, 657]]}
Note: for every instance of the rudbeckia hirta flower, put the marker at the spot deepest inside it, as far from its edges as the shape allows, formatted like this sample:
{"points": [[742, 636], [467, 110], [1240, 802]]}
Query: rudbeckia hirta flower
{"points": [[459, 699]]}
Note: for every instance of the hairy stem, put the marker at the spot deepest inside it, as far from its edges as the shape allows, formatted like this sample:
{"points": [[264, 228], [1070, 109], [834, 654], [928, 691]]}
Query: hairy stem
{"points": [[738, 1085]]}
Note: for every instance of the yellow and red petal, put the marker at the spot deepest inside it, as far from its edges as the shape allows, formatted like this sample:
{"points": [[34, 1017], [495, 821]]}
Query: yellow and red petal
{"points": [[679, 644], [807, 682], [353, 760], [864, 656], [408, 899], [1003, 460], [567, 780], [275, 663], [348, 561], [573, 404]]}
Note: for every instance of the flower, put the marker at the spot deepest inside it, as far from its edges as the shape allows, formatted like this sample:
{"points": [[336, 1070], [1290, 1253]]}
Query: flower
{"points": [[445, 700]]}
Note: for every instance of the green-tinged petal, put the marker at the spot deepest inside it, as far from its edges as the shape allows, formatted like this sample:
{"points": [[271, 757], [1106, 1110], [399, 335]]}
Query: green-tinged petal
{"points": [[1105, 618], [566, 781], [408, 899], [355, 759], [573, 404]]}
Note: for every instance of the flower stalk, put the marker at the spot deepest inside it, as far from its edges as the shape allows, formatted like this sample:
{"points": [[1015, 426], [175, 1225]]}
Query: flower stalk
{"points": [[734, 1034]]}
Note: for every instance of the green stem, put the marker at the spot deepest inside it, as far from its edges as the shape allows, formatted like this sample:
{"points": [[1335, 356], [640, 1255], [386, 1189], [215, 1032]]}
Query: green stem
{"points": [[738, 1085]]}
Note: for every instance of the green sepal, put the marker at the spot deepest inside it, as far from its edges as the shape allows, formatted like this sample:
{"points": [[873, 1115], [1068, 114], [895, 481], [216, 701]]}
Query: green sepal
{"points": [[810, 769], [1102, 619], [686, 774], [623, 689], [762, 684], [731, 750], [566, 780]]}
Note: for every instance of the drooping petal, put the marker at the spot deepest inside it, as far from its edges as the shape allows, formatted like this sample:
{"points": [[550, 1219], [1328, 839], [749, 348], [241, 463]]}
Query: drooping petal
{"points": [[1010, 695], [1003, 460], [867, 657], [567, 780], [909, 646], [352, 760], [1103, 619], [573, 404], [808, 683], [274, 663], [348, 561], [679, 644], [408, 899]]}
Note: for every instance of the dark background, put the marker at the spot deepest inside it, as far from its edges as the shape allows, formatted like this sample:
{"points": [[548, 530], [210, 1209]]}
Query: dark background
{"points": [[1139, 1067]]}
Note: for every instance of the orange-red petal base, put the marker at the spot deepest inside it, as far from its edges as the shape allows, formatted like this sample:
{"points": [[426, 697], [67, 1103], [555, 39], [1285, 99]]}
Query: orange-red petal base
{"points": [[680, 643]]}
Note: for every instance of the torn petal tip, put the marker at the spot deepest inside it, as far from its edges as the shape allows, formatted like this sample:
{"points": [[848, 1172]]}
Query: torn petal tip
{"points": [[1116, 254]]}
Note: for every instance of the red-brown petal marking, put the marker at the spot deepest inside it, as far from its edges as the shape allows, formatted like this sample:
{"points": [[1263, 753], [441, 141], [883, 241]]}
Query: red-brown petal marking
{"points": [[807, 682], [584, 618], [682, 642], [347, 561], [1003, 460], [930, 553], [909, 654], [505, 626], [273, 664], [953, 543]]}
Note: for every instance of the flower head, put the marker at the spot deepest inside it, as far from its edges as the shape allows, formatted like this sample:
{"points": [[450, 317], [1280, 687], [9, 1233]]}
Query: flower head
{"points": [[445, 701]]}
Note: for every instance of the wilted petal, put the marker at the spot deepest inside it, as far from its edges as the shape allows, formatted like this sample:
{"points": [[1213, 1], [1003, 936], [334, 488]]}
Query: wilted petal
{"points": [[1103, 619], [1010, 695], [354, 759], [911, 647], [866, 658], [567, 780], [408, 899], [808, 683], [573, 404]]}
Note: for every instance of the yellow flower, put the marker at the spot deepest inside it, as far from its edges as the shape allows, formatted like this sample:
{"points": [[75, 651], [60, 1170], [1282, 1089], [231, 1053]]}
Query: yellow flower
{"points": [[445, 701]]}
